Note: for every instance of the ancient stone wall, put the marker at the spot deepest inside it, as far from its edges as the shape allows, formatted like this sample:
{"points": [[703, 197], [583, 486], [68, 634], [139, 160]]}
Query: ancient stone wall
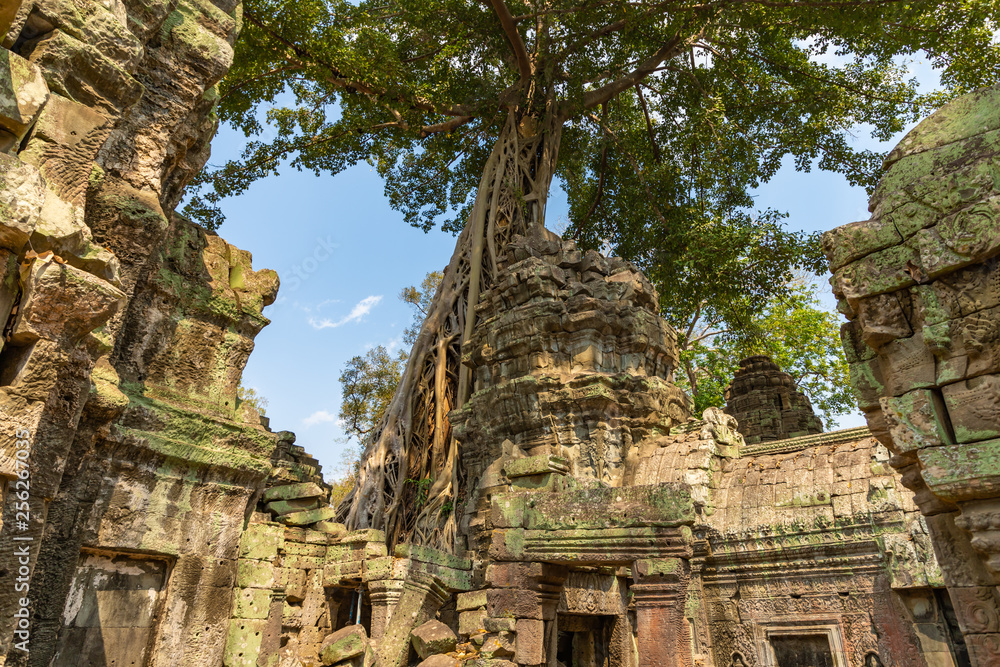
{"points": [[127, 329], [920, 285]]}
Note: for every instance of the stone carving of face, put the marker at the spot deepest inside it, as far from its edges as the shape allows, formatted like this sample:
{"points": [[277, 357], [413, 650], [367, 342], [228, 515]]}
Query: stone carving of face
{"points": [[872, 660]]}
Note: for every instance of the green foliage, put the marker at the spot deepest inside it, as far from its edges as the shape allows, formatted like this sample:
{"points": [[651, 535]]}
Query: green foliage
{"points": [[251, 396], [368, 382], [671, 114], [796, 332], [367, 385], [420, 298], [420, 89], [343, 479], [421, 489]]}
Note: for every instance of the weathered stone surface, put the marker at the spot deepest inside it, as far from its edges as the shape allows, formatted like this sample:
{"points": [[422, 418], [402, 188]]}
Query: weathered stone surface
{"points": [[766, 404], [433, 637], [439, 661], [932, 332], [344, 644], [293, 492], [22, 93]]}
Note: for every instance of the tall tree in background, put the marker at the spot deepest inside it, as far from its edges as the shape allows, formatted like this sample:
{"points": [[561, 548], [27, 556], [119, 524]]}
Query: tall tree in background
{"points": [[663, 113], [793, 329]]}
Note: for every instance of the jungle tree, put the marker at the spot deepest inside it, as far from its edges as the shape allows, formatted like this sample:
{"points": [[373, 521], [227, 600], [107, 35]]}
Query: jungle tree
{"points": [[659, 115]]}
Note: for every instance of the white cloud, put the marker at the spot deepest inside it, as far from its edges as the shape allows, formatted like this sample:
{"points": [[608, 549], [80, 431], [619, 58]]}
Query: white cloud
{"points": [[361, 309], [320, 417], [394, 344]]}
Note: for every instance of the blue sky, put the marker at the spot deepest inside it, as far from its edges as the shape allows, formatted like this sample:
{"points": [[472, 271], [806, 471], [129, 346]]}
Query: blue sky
{"points": [[343, 255]]}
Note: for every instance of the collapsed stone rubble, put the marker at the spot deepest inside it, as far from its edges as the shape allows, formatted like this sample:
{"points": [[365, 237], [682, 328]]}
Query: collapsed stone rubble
{"points": [[601, 523]]}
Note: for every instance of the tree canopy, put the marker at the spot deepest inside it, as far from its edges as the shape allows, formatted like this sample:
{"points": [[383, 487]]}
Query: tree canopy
{"points": [[658, 116], [794, 330]]}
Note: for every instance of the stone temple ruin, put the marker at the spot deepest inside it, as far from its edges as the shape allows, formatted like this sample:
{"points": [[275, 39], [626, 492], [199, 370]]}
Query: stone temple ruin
{"points": [[604, 524]]}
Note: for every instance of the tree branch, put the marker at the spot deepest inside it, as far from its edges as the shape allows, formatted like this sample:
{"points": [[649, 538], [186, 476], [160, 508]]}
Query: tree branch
{"points": [[649, 124], [600, 179], [338, 79], [593, 98], [514, 37]]}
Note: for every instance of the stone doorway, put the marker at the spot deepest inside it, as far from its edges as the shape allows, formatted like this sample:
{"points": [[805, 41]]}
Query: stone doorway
{"points": [[584, 641], [111, 609], [802, 651]]}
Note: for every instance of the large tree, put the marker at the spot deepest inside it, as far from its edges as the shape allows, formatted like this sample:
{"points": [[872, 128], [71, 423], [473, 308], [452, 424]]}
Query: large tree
{"points": [[658, 115]]}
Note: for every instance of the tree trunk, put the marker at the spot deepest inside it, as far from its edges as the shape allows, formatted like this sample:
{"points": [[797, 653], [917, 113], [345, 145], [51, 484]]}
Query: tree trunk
{"points": [[410, 478]]}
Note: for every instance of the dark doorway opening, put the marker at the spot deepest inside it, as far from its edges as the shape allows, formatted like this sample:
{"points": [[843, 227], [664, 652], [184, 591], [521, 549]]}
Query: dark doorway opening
{"points": [[584, 641], [958, 647], [802, 650]]}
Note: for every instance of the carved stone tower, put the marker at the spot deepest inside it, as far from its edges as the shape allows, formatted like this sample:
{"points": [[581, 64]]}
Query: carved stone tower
{"points": [[765, 402]]}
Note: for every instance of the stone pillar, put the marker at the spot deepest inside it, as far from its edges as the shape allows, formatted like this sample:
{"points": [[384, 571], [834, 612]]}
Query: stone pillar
{"points": [[660, 592], [521, 611], [422, 595], [384, 595], [920, 285]]}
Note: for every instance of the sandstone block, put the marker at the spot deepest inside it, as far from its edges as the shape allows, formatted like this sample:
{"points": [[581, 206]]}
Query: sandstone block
{"points": [[974, 408], [293, 492], [22, 93], [343, 644], [471, 622], [491, 624], [530, 649], [916, 420], [22, 195], [433, 637], [63, 303], [470, 600], [281, 507], [439, 661], [308, 517], [330, 528]]}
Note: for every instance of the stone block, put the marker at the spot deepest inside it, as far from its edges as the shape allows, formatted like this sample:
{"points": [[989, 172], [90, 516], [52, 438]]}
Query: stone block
{"points": [[433, 637], [281, 507], [252, 603], [471, 622], [254, 574], [517, 603], [428, 555], [880, 272], [853, 241], [974, 408], [917, 420], [22, 196], [343, 644], [330, 528], [243, 642], [500, 645], [309, 517], [22, 93], [62, 303], [260, 541], [491, 624], [536, 465], [962, 472], [530, 648], [470, 600], [364, 535], [440, 661], [907, 364], [294, 492]]}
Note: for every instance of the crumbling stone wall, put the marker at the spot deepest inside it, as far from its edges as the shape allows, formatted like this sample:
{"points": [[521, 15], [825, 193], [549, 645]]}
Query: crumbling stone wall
{"points": [[127, 329], [920, 285]]}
